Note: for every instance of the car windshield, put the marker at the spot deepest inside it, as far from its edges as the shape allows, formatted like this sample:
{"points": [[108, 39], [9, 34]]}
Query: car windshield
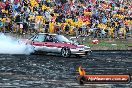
{"points": [[75, 41], [61, 38]]}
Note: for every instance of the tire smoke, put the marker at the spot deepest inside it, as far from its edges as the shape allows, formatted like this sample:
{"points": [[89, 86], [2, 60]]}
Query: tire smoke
{"points": [[10, 45]]}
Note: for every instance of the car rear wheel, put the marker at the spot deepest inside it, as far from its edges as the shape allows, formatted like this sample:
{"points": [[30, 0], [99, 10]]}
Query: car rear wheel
{"points": [[65, 52], [36, 52]]}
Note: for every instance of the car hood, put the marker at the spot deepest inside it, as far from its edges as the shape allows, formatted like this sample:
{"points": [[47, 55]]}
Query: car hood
{"points": [[83, 46], [80, 45]]}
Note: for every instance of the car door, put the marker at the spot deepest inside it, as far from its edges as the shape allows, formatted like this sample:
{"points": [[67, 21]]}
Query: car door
{"points": [[38, 42], [49, 44]]}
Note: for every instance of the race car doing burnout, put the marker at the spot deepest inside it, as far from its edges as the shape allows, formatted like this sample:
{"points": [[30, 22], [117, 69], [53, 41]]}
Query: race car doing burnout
{"points": [[54, 43]]}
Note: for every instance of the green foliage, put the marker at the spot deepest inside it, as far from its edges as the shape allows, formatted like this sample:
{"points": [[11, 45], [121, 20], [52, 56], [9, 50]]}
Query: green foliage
{"points": [[115, 45]]}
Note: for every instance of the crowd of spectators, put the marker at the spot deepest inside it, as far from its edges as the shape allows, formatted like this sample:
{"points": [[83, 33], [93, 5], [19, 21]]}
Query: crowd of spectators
{"points": [[97, 18]]}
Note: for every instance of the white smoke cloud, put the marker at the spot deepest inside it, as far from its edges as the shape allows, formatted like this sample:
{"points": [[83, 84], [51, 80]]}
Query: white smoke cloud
{"points": [[10, 45]]}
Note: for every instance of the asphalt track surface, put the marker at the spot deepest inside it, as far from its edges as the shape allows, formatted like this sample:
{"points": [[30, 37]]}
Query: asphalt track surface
{"points": [[54, 71]]}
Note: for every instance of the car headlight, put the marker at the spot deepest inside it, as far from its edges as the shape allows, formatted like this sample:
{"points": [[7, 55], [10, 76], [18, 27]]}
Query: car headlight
{"points": [[86, 47], [81, 48]]}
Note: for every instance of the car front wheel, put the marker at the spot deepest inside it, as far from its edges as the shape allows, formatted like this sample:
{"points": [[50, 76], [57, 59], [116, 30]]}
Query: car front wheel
{"points": [[65, 52]]}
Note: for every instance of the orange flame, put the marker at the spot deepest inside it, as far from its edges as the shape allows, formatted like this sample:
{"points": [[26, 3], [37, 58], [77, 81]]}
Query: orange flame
{"points": [[81, 71]]}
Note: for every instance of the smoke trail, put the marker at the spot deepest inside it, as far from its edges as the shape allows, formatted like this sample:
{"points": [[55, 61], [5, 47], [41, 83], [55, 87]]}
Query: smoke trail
{"points": [[10, 45]]}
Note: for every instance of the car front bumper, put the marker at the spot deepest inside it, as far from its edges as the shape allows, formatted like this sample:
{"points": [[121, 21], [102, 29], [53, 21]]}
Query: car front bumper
{"points": [[80, 52]]}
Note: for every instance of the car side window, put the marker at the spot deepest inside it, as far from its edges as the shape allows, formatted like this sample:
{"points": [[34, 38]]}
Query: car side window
{"points": [[40, 38], [49, 38], [55, 40]]}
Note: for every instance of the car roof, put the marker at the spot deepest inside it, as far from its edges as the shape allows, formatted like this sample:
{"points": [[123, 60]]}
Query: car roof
{"points": [[46, 34]]}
